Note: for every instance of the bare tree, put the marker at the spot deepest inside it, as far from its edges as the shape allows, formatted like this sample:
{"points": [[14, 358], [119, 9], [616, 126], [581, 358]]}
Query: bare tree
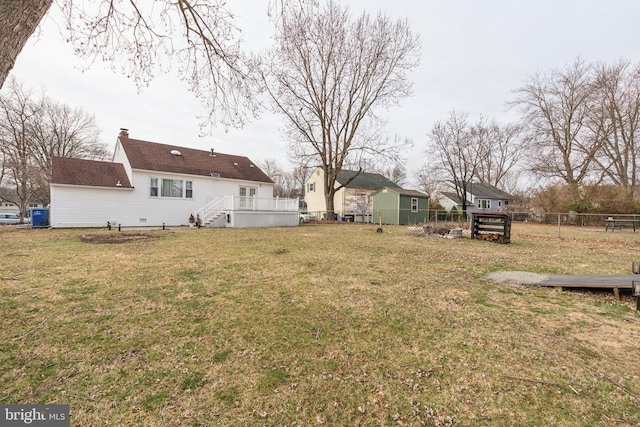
{"points": [[284, 181], [300, 174], [64, 132], [18, 112], [617, 115], [485, 151], [328, 76], [359, 202], [555, 112], [501, 150], [142, 38], [34, 128], [450, 144], [395, 172], [429, 179]]}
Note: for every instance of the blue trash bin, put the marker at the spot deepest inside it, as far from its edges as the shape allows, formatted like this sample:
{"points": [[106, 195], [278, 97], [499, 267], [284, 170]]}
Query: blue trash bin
{"points": [[39, 217]]}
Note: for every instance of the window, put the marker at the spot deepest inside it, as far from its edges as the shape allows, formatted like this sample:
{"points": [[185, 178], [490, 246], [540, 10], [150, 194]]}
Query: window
{"points": [[311, 187], [414, 204], [171, 188], [484, 204], [153, 187], [174, 188]]}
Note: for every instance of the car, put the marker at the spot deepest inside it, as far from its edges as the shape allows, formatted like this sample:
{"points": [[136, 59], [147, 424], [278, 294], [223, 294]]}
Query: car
{"points": [[9, 218], [306, 217]]}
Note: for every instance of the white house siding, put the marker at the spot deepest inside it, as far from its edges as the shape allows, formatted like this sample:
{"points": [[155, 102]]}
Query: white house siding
{"points": [[204, 188], [119, 156], [74, 206], [448, 204]]}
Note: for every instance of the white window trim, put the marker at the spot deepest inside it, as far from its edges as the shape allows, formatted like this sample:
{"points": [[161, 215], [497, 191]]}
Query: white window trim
{"points": [[158, 187], [481, 203], [414, 204]]}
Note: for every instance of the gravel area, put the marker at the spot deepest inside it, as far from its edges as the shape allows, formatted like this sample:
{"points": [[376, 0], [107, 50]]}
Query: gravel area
{"points": [[515, 277]]}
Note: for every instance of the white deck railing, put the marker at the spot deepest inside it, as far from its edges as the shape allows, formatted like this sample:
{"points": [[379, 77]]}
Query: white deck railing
{"points": [[245, 203]]}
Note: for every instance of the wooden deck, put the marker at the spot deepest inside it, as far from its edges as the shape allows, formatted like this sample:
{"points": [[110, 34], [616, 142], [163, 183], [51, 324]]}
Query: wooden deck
{"points": [[614, 282]]}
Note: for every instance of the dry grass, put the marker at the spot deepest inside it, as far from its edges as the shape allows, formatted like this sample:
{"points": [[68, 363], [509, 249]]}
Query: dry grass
{"points": [[314, 325]]}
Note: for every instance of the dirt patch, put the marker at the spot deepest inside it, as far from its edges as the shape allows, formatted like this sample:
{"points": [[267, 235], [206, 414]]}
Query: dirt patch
{"points": [[118, 237]]}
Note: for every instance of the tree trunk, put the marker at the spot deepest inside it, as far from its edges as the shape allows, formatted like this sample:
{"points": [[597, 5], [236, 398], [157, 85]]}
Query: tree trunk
{"points": [[18, 20], [329, 196]]}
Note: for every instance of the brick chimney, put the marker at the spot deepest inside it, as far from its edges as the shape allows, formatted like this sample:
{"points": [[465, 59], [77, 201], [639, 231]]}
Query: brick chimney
{"points": [[124, 133]]}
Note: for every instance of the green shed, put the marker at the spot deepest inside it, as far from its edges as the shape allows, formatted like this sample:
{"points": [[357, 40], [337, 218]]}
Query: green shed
{"points": [[400, 206]]}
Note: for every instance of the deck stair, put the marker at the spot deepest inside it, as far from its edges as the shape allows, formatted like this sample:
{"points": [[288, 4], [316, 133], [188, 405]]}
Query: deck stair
{"points": [[213, 210]]}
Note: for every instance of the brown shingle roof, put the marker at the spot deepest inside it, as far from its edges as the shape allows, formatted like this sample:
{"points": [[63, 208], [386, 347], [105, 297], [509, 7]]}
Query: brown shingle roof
{"points": [[65, 170], [151, 156]]}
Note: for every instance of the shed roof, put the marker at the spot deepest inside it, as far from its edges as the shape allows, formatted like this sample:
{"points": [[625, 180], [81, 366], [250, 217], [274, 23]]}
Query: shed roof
{"points": [[371, 181], [406, 192], [93, 173], [152, 156]]}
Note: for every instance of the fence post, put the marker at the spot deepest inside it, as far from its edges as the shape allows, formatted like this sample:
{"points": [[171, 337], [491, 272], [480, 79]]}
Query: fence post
{"points": [[558, 226]]}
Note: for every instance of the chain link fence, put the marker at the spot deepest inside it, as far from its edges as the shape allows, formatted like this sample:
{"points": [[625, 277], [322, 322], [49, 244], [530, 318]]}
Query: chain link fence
{"points": [[595, 227], [598, 227]]}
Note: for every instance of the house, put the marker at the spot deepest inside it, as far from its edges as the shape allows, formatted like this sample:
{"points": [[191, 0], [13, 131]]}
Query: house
{"points": [[400, 206], [152, 184], [7, 204], [480, 197], [353, 202]]}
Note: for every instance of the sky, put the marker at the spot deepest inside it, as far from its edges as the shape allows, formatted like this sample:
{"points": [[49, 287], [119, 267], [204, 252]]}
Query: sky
{"points": [[475, 53]]}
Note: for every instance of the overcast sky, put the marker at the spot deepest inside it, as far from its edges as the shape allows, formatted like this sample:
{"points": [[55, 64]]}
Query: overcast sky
{"points": [[474, 54]]}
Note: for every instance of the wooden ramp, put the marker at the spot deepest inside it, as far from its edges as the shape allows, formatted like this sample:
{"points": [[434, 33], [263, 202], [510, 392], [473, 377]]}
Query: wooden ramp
{"points": [[588, 282]]}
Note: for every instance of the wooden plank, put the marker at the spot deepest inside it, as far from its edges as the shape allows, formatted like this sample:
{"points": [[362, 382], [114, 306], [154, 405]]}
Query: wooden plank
{"points": [[491, 229], [588, 281]]}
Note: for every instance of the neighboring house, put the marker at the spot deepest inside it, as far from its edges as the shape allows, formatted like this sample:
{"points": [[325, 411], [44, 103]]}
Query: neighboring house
{"points": [[151, 184], [400, 206], [354, 202], [480, 197], [9, 207]]}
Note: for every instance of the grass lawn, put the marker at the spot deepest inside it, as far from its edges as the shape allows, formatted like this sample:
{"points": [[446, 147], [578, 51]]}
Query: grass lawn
{"points": [[331, 325]]}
